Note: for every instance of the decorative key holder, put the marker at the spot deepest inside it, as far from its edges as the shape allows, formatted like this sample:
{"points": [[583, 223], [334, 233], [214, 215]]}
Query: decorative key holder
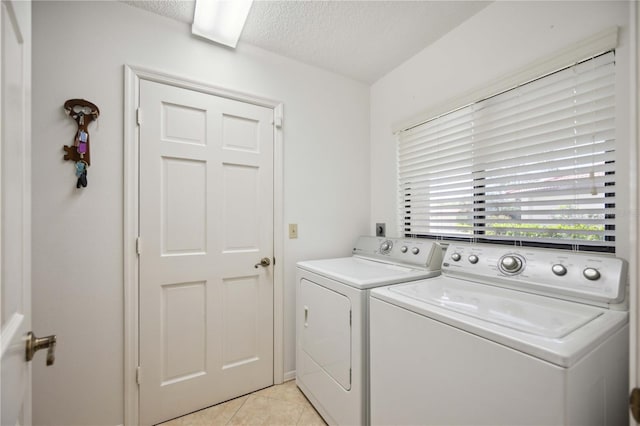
{"points": [[83, 112]]}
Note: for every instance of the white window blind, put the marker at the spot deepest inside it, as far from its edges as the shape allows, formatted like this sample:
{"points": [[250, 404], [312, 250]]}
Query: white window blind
{"points": [[532, 164]]}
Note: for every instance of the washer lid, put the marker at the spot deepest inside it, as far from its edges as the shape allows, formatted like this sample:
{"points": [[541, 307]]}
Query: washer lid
{"points": [[529, 313], [554, 330], [362, 273]]}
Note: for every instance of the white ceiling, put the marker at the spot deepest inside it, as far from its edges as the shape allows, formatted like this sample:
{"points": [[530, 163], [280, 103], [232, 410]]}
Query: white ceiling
{"points": [[360, 39]]}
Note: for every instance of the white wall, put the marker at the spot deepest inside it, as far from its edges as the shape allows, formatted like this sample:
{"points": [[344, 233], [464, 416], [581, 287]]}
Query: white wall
{"points": [[499, 40], [79, 49]]}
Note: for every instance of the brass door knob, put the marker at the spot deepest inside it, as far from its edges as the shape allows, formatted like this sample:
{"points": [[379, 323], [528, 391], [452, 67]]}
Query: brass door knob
{"points": [[34, 344], [265, 261], [634, 404]]}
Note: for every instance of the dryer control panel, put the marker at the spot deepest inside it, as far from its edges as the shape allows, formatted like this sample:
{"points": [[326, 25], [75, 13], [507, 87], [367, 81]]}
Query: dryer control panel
{"points": [[407, 251], [586, 277]]}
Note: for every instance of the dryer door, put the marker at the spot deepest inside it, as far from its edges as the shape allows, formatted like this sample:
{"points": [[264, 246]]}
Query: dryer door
{"points": [[325, 331]]}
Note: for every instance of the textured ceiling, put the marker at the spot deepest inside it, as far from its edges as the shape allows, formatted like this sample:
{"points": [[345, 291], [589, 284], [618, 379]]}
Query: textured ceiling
{"points": [[360, 39]]}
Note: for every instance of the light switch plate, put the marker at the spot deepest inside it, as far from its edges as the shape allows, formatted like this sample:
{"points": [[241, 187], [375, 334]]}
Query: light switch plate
{"points": [[293, 230]]}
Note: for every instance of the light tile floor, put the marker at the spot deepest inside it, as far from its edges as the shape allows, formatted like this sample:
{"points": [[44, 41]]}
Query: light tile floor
{"points": [[277, 405]]}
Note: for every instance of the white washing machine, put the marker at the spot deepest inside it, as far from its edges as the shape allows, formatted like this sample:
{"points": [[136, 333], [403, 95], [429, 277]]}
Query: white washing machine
{"points": [[505, 336], [332, 319]]}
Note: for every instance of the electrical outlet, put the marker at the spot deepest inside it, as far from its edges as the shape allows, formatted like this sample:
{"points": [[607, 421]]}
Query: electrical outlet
{"points": [[381, 230], [293, 230]]}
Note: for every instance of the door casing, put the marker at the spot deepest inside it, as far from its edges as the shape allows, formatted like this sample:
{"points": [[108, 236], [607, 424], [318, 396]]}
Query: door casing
{"points": [[132, 77]]}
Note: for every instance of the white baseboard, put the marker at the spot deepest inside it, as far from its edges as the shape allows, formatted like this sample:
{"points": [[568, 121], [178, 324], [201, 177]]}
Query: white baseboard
{"points": [[289, 375]]}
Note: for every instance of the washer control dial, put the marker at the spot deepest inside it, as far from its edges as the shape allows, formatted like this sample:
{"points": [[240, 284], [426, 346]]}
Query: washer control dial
{"points": [[473, 259], [386, 246], [404, 249], [456, 257], [511, 264], [591, 274], [415, 250], [559, 269]]}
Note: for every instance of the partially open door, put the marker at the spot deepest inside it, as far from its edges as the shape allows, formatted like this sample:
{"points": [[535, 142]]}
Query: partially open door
{"points": [[15, 198]]}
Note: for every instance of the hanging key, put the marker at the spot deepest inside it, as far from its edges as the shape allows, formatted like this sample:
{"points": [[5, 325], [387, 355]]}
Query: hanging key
{"points": [[80, 168], [82, 179]]}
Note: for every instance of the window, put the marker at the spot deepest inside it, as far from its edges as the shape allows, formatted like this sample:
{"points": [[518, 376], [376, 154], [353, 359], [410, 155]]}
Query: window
{"points": [[533, 165]]}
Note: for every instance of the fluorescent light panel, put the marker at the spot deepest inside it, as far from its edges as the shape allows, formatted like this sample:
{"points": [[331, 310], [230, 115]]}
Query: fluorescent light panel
{"points": [[220, 20]]}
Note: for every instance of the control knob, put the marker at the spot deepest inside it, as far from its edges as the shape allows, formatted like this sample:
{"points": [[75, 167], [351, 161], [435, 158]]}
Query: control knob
{"points": [[559, 269], [511, 264], [404, 249], [591, 274], [386, 247], [455, 257], [415, 250], [473, 259]]}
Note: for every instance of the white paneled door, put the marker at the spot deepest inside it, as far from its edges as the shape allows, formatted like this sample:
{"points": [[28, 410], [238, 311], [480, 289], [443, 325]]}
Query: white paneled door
{"points": [[15, 190], [206, 222]]}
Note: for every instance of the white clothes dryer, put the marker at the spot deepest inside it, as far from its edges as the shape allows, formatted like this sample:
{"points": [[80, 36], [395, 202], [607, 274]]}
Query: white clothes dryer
{"points": [[332, 319], [504, 336]]}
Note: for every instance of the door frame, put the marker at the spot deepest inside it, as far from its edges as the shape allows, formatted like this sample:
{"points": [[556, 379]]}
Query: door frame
{"points": [[132, 77]]}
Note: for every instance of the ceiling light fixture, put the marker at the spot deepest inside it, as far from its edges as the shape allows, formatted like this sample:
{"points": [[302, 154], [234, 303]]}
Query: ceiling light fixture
{"points": [[220, 20]]}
